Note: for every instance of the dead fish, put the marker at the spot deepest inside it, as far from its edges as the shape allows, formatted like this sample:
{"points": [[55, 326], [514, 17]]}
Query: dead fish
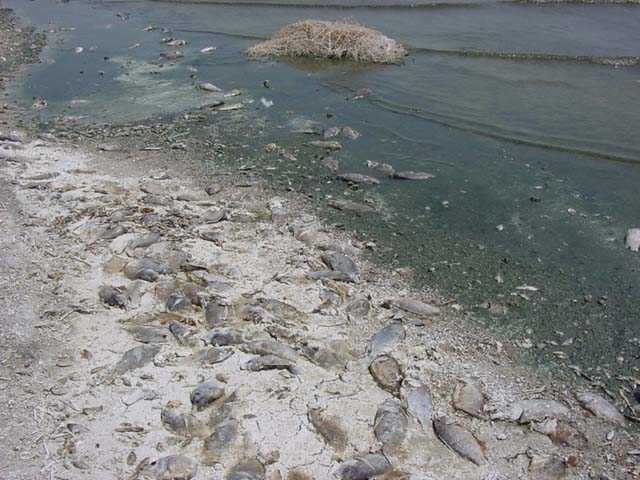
{"points": [[172, 467], [112, 296], [359, 307], [551, 467], [417, 400], [363, 467], [339, 262], [113, 232], [216, 313], [322, 357], [216, 216], [380, 167], [416, 307], [331, 132], [196, 295], [208, 49], [216, 355], [350, 133], [171, 55], [387, 373], [144, 242], [358, 178], [331, 275], [562, 433], [331, 163], [246, 469], [206, 393], [390, 424], [468, 398], [213, 237], [270, 347], [600, 407], [155, 265], [174, 421], [525, 411], [269, 362], [326, 145], [329, 428], [387, 338], [135, 358], [281, 309], [222, 439], [177, 302], [459, 440], [219, 337], [145, 274], [349, 206], [208, 87], [181, 332], [150, 334], [411, 175]]}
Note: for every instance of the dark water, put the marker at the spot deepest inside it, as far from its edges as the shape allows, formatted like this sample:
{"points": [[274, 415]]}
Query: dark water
{"points": [[528, 113]]}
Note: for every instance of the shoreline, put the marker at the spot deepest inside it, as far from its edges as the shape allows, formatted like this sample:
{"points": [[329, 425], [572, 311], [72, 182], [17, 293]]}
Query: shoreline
{"points": [[73, 197]]}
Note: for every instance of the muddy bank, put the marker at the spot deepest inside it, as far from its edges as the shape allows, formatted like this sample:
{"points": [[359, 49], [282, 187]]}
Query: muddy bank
{"points": [[209, 330]]}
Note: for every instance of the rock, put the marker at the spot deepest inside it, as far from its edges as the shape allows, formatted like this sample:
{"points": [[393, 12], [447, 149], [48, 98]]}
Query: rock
{"points": [[551, 467], [358, 178], [387, 338], [459, 440], [525, 411], [113, 296], [269, 362], [246, 469], [380, 167], [349, 206], [135, 358], [632, 239], [216, 313], [150, 334], [206, 393], [417, 400], [416, 307], [600, 407], [387, 373], [363, 467], [468, 397], [270, 347], [329, 428], [390, 425], [411, 175], [172, 467], [326, 145]]}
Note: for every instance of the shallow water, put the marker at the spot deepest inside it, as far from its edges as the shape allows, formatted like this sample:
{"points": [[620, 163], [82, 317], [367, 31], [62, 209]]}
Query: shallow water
{"points": [[526, 113]]}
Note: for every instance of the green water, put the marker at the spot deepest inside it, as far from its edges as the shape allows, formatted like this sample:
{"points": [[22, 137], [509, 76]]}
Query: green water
{"points": [[528, 115]]}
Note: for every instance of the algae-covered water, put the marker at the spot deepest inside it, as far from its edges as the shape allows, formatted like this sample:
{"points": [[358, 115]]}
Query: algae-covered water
{"points": [[527, 113]]}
